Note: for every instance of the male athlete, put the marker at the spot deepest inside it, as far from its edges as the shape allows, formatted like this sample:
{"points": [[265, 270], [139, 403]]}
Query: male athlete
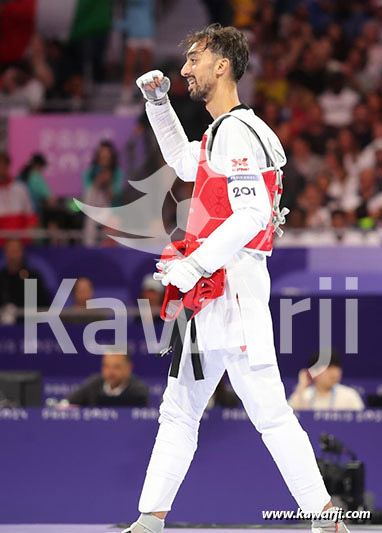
{"points": [[234, 211]]}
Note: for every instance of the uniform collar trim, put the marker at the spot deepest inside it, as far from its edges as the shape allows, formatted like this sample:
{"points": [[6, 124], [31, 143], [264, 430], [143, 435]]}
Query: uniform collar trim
{"points": [[240, 106]]}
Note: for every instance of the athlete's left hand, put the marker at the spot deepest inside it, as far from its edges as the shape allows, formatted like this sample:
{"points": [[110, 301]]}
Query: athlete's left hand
{"points": [[183, 273]]}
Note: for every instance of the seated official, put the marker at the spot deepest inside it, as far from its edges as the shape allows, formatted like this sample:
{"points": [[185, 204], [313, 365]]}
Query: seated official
{"points": [[117, 386], [325, 392]]}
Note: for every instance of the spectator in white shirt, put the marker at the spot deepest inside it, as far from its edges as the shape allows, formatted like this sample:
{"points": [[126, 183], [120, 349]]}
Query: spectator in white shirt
{"points": [[16, 208], [338, 102], [20, 91], [325, 392]]}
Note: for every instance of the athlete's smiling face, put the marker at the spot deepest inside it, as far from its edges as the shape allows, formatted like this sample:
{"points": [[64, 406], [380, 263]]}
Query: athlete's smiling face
{"points": [[201, 70]]}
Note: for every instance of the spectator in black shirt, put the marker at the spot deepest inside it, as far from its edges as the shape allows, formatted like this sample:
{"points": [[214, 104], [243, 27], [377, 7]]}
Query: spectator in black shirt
{"points": [[309, 73], [316, 133], [117, 386], [12, 277]]}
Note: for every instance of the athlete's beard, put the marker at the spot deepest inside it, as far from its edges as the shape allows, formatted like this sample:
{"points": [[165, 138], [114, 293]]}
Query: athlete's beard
{"points": [[198, 93]]}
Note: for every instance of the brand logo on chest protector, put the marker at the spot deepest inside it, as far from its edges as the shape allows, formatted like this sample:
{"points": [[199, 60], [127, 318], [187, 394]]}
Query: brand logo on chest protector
{"points": [[240, 164]]}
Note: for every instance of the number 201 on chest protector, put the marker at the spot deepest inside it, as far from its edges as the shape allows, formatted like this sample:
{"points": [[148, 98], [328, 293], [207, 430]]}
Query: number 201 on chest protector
{"points": [[238, 191]]}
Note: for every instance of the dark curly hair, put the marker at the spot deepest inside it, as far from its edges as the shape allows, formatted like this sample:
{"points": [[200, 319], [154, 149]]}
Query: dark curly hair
{"points": [[227, 42], [113, 158], [36, 159]]}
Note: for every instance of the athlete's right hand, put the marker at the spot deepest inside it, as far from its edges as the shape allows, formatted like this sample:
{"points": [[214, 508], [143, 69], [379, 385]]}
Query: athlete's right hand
{"points": [[154, 86]]}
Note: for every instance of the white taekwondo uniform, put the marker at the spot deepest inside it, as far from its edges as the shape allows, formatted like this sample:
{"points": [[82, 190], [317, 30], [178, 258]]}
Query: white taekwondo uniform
{"points": [[234, 331]]}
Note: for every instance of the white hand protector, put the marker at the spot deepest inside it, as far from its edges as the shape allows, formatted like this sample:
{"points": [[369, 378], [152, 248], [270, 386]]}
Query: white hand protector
{"points": [[164, 268], [183, 273], [153, 90]]}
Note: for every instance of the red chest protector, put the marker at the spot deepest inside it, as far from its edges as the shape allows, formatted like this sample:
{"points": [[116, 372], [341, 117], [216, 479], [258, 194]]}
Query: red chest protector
{"points": [[210, 204]]}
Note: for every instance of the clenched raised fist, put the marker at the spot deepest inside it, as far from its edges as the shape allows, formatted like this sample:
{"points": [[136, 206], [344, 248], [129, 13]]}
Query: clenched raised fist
{"points": [[154, 86]]}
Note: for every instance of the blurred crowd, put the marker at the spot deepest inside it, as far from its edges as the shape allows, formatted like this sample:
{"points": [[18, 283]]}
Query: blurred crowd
{"points": [[315, 77], [319, 85]]}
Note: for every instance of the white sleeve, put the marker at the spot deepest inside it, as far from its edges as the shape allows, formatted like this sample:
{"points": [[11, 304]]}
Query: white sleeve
{"points": [[235, 155], [177, 151]]}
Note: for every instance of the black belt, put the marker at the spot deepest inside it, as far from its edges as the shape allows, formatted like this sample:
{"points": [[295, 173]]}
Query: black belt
{"points": [[175, 345]]}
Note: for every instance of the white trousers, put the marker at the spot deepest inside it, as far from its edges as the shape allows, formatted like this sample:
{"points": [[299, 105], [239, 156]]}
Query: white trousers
{"points": [[263, 397]]}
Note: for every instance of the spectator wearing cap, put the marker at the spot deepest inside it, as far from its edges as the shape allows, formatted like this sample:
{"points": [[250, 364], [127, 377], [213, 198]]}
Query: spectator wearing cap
{"points": [[116, 386], [152, 291], [324, 391]]}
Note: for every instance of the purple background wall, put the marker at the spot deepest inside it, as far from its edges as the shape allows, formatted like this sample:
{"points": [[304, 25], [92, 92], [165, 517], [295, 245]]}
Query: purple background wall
{"points": [[89, 466], [68, 142]]}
